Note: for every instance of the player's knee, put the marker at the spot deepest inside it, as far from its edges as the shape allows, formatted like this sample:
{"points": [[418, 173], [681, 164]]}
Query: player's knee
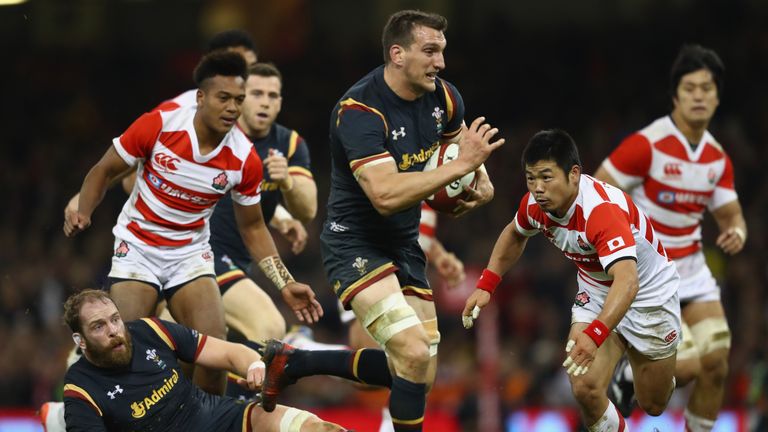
{"points": [[393, 324], [586, 390], [714, 366], [687, 370], [412, 354], [653, 406]]}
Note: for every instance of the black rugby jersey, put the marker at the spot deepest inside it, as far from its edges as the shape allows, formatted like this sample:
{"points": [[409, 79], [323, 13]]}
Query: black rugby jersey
{"points": [[151, 394], [225, 237], [371, 123]]}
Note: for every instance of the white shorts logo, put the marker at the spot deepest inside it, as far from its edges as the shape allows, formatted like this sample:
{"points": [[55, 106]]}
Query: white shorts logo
{"points": [[615, 243]]}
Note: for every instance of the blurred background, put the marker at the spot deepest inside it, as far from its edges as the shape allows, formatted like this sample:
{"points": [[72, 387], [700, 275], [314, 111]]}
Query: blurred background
{"points": [[76, 73]]}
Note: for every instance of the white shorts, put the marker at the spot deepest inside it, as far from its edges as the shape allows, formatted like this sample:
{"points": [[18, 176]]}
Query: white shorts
{"points": [[164, 268], [653, 331], [696, 281]]}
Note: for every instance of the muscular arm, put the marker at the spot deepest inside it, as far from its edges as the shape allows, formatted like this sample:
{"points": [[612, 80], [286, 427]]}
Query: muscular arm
{"points": [[223, 355], [254, 232], [621, 294], [508, 249], [99, 178], [602, 175], [301, 199], [733, 227]]}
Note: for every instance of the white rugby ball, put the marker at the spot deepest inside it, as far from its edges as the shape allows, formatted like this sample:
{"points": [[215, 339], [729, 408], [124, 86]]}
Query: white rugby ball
{"points": [[446, 199]]}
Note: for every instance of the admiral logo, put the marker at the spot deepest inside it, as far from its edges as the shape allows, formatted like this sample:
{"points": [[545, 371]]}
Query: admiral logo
{"points": [[167, 163], [268, 186], [141, 407], [220, 181], [398, 134], [118, 390], [410, 159], [673, 169], [670, 337], [122, 250], [582, 298]]}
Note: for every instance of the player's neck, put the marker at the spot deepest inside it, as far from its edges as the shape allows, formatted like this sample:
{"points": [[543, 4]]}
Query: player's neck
{"points": [[398, 84], [692, 132], [252, 132], [207, 138]]}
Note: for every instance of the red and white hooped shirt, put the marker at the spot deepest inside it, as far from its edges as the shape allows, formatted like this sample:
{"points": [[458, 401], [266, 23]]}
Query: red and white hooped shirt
{"points": [[602, 227], [673, 182], [176, 186]]}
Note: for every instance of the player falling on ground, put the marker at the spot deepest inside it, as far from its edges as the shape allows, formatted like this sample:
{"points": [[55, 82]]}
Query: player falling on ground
{"points": [[675, 170], [627, 300]]}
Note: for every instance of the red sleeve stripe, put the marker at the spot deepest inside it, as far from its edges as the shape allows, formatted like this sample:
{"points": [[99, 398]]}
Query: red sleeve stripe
{"points": [[201, 340], [450, 100], [153, 239], [73, 391], [359, 163], [351, 104], [427, 230], [151, 216], [300, 171], [247, 426], [161, 331], [293, 141]]}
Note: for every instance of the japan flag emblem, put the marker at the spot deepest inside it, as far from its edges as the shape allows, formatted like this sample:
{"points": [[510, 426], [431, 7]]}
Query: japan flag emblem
{"points": [[615, 243]]}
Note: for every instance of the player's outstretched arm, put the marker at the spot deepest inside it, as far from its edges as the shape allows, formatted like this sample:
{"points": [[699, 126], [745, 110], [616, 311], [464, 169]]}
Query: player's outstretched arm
{"points": [[258, 241], [391, 191], [448, 266], [290, 228], [733, 227], [507, 251], [233, 357], [128, 179], [96, 182]]}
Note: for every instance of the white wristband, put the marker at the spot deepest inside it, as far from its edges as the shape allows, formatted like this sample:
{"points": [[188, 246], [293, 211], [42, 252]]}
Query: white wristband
{"points": [[257, 364]]}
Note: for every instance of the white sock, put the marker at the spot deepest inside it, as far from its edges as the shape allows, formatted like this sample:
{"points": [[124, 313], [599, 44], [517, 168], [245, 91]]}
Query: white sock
{"points": [[694, 423], [386, 421], [610, 421]]}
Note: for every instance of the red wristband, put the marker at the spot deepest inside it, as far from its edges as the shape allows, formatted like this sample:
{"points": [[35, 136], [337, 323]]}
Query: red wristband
{"points": [[597, 331], [488, 281]]}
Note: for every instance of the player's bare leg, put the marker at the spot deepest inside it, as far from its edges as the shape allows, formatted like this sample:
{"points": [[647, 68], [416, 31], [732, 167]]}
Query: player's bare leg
{"points": [[134, 299], [241, 301], [654, 382], [590, 390], [713, 344], [198, 305], [425, 310], [284, 418]]}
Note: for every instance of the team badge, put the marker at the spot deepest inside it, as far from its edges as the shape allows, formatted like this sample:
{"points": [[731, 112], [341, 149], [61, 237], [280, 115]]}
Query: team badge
{"points": [[438, 115], [220, 181], [711, 176], [152, 356], [582, 298], [360, 265], [122, 249]]}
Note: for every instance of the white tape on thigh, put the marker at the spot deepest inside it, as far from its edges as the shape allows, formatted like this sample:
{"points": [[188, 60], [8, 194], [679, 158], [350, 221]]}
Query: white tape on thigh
{"points": [[430, 326], [293, 419], [388, 317], [711, 334], [687, 349]]}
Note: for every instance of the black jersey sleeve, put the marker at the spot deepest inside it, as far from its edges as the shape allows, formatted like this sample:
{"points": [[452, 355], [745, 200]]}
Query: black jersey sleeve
{"points": [[362, 131], [186, 342], [80, 415], [454, 112], [298, 161]]}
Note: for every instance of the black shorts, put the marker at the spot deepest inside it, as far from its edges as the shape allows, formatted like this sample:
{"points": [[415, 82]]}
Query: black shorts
{"points": [[352, 264], [222, 413], [229, 271]]}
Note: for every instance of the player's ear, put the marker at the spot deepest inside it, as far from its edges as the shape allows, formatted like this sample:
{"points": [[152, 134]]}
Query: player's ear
{"points": [[78, 339], [575, 173], [396, 54]]}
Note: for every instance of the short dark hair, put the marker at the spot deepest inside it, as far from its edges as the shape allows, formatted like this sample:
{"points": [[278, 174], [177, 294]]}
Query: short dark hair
{"points": [[231, 39], [691, 58], [265, 70], [552, 144], [224, 63], [76, 301], [399, 28]]}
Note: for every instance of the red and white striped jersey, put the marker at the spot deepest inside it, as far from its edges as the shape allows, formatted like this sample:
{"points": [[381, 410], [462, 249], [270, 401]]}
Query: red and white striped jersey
{"points": [[176, 186], [673, 182], [602, 227], [427, 227], [188, 99]]}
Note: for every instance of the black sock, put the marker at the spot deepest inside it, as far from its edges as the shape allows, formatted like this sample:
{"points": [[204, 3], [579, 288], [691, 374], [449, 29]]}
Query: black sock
{"points": [[367, 366], [253, 345], [406, 404]]}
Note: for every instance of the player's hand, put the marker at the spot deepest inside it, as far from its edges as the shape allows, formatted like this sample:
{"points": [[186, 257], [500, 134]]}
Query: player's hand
{"points": [[450, 268], [74, 221], [580, 354], [480, 195], [255, 376], [732, 240], [293, 231], [478, 300], [277, 167], [475, 143], [301, 300]]}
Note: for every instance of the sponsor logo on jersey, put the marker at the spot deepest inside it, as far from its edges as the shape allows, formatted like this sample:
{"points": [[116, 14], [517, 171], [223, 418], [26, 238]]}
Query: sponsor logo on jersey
{"points": [[398, 133], [581, 299], [268, 186], [118, 390], [177, 193], [360, 265], [167, 163], [671, 197], [220, 181], [673, 169], [122, 250], [410, 159], [141, 407]]}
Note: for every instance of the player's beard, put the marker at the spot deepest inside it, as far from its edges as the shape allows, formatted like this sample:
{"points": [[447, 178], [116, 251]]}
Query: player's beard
{"points": [[107, 357]]}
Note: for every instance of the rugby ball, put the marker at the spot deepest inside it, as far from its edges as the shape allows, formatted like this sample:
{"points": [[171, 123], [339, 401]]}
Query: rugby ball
{"points": [[446, 199]]}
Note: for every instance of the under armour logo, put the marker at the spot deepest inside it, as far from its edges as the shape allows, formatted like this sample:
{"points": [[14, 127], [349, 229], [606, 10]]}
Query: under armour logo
{"points": [[398, 134], [117, 390]]}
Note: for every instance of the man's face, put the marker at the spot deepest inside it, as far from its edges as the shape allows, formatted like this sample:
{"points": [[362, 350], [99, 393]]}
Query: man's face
{"points": [[250, 56], [262, 102], [423, 59], [696, 98], [551, 187], [219, 101], [107, 342]]}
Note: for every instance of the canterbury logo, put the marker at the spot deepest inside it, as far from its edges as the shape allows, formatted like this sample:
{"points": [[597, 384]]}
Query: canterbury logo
{"points": [[398, 134], [673, 169], [167, 162]]}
